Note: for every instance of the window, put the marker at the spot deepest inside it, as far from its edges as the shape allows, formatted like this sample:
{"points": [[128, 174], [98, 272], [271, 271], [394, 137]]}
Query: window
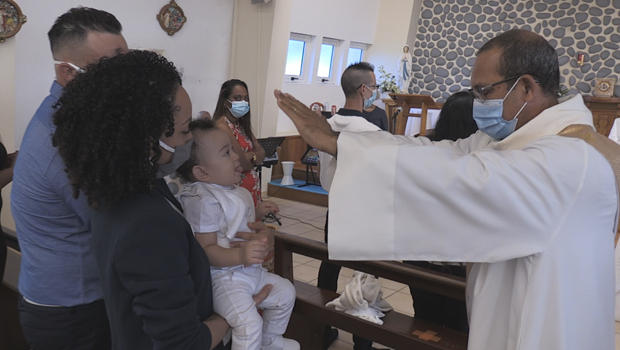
{"points": [[356, 53], [326, 59], [298, 47]]}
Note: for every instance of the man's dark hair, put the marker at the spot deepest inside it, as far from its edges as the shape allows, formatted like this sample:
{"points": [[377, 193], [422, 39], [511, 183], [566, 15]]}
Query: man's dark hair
{"points": [[524, 52], [355, 76], [73, 26], [108, 121], [195, 126]]}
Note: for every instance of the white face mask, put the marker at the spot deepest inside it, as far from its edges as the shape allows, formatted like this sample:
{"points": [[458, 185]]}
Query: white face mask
{"points": [[77, 69]]}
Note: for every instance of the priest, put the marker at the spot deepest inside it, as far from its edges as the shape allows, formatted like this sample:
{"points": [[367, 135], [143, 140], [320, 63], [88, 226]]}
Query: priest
{"points": [[531, 204]]}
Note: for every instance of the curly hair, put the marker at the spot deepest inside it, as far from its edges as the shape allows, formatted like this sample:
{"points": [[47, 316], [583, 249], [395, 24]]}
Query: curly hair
{"points": [[195, 126], [220, 107], [108, 121]]}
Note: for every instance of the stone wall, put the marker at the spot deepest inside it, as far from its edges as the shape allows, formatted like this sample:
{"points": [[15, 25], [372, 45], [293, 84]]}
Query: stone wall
{"points": [[450, 32]]}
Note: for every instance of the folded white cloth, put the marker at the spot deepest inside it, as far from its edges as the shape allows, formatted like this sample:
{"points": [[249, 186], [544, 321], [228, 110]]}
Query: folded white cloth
{"points": [[362, 298]]}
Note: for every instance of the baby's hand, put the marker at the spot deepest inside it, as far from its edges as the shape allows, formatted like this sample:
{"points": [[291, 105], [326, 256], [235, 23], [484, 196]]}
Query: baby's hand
{"points": [[253, 252], [265, 207]]}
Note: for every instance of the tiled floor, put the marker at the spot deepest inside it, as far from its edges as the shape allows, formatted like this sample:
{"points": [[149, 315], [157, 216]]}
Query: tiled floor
{"points": [[308, 220]]}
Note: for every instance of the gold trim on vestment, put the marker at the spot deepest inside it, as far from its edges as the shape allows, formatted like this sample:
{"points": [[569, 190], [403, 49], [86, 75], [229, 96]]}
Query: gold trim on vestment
{"points": [[606, 147]]}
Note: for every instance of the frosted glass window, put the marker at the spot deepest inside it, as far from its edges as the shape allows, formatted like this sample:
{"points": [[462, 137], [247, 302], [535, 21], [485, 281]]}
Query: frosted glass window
{"points": [[355, 56], [295, 57], [325, 61]]}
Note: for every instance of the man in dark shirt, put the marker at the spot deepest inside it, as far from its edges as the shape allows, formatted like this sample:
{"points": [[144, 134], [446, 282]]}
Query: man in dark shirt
{"points": [[360, 88], [377, 116]]}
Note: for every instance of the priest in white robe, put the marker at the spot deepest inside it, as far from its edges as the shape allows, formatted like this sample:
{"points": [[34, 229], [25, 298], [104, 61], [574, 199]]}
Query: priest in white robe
{"points": [[535, 212]]}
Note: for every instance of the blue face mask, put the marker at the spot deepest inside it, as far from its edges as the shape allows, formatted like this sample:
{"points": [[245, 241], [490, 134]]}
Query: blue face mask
{"points": [[239, 108], [488, 117], [369, 101]]}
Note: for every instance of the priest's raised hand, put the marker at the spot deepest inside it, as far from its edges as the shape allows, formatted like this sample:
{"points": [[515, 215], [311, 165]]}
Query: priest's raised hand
{"points": [[311, 126]]}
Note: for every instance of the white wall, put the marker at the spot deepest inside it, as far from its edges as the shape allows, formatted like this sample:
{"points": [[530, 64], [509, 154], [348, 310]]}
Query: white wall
{"points": [[202, 45], [391, 35], [201, 50], [345, 20], [7, 112]]}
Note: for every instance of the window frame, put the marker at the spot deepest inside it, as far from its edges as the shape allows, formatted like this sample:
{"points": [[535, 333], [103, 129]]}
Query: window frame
{"points": [[302, 78], [335, 43], [356, 45]]}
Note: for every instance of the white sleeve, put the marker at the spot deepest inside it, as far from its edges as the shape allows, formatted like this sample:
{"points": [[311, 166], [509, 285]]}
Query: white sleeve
{"points": [[399, 201], [203, 213]]}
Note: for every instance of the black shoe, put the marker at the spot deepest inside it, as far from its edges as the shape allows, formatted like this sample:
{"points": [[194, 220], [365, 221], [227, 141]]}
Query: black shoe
{"points": [[331, 334]]}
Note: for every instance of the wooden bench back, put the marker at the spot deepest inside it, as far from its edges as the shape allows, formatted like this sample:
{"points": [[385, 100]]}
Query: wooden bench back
{"points": [[398, 331]]}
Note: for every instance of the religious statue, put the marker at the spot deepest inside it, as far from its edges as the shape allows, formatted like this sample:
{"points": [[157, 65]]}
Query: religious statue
{"points": [[404, 69]]}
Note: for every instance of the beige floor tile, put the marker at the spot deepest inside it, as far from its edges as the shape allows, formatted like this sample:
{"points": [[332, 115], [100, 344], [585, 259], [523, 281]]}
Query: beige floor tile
{"points": [[319, 218], [395, 286], [345, 337], [401, 302], [314, 263], [310, 215], [305, 273], [301, 258], [387, 292], [340, 345], [295, 229], [342, 282], [345, 271]]}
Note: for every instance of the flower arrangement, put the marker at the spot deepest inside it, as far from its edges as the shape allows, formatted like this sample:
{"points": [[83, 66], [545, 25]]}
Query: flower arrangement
{"points": [[387, 81]]}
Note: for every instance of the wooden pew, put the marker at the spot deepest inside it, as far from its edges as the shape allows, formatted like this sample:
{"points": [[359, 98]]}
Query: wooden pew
{"points": [[398, 331]]}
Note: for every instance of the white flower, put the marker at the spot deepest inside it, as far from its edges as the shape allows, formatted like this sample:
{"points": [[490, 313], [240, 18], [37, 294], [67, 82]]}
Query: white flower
{"points": [[387, 81]]}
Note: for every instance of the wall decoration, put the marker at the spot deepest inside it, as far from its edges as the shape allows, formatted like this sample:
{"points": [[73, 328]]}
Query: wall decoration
{"points": [[450, 32], [604, 87], [171, 18], [11, 19]]}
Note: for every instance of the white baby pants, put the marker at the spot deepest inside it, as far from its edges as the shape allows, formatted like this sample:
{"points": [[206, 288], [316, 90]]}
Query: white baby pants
{"points": [[232, 299]]}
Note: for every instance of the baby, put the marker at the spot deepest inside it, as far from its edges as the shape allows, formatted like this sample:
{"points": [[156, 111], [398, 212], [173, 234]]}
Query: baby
{"points": [[217, 209]]}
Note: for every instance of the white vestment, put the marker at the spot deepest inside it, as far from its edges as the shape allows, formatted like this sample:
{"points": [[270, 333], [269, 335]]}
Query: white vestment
{"points": [[535, 212], [340, 123]]}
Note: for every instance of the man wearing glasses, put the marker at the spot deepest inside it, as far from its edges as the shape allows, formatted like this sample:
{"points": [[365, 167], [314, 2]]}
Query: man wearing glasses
{"points": [[360, 88], [535, 212]]}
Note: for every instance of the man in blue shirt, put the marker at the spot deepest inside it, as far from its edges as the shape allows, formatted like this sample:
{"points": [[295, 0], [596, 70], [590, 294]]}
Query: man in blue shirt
{"points": [[62, 305]]}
